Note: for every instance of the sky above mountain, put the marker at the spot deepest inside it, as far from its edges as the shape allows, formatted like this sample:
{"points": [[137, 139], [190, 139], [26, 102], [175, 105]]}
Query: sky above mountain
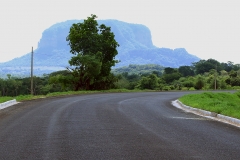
{"points": [[207, 29]]}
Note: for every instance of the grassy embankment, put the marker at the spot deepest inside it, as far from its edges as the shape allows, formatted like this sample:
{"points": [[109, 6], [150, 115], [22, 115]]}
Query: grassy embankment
{"points": [[4, 99], [227, 104]]}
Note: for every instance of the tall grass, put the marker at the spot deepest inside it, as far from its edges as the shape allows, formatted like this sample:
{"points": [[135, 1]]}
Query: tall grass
{"points": [[222, 103]]}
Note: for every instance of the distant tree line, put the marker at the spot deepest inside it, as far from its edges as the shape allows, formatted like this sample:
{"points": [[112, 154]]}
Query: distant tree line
{"points": [[14, 86], [202, 75]]}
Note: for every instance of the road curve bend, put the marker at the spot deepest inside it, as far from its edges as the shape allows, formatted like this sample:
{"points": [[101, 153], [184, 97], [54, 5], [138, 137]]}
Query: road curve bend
{"points": [[113, 126]]}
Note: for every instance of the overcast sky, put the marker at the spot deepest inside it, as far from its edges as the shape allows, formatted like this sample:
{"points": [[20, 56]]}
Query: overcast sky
{"points": [[207, 29]]}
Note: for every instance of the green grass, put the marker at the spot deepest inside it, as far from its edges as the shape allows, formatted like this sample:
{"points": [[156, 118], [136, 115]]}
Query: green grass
{"points": [[222, 103], [28, 97], [5, 99]]}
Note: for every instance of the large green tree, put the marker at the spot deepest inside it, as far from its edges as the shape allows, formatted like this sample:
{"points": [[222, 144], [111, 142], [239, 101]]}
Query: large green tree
{"points": [[186, 71], [206, 65], [94, 49]]}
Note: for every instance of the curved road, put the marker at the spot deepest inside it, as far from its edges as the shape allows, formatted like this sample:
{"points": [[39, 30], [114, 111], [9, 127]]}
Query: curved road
{"points": [[113, 126]]}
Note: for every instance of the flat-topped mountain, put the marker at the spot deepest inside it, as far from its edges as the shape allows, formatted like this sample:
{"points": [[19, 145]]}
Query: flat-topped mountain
{"points": [[135, 41]]}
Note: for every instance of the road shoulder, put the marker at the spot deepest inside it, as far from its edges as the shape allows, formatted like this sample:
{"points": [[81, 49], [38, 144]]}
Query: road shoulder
{"points": [[207, 114], [8, 104]]}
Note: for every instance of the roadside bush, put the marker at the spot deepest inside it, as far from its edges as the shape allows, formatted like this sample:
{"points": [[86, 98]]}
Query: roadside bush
{"points": [[236, 87], [166, 88], [184, 89], [192, 89]]}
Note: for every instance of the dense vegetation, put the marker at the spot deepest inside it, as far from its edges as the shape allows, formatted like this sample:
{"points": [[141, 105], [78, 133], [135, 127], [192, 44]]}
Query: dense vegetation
{"points": [[202, 75], [220, 103], [153, 77]]}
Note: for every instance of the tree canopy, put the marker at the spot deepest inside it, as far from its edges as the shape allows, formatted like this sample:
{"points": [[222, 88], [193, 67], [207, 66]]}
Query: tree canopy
{"points": [[206, 65], [94, 49]]}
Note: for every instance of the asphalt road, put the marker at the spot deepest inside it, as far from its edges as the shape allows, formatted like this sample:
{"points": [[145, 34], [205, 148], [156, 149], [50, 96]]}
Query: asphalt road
{"points": [[113, 126]]}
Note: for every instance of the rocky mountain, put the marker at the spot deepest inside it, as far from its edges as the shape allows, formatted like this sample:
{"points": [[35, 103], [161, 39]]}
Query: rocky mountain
{"points": [[135, 41]]}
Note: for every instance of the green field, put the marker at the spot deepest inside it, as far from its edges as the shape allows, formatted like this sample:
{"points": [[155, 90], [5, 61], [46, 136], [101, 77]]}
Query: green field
{"points": [[227, 104]]}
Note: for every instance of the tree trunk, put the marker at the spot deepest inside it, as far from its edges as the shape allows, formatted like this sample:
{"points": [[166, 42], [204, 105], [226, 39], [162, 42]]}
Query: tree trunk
{"points": [[87, 84]]}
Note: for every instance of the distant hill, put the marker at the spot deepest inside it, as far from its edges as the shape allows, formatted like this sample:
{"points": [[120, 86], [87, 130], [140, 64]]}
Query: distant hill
{"points": [[135, 41], [139, 69]]}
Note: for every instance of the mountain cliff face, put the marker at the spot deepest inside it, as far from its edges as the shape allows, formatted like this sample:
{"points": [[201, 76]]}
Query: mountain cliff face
{"points": [[135, 41]]}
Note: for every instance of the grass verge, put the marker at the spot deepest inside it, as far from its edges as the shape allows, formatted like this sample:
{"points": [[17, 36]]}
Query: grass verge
{"points": [[227, 104], [5, 99]]}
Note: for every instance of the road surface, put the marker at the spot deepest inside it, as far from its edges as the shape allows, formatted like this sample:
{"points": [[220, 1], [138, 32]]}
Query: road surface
{"points": [[113, 126]]}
